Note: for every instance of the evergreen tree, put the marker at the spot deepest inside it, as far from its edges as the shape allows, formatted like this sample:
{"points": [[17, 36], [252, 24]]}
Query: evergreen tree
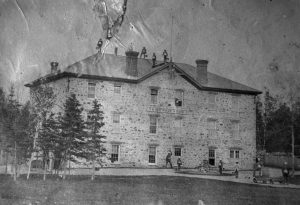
{"points": [[16, 128], [49, 139], [95, 140], [43, 100], [278, 130], [72, 131], [259, 125]]}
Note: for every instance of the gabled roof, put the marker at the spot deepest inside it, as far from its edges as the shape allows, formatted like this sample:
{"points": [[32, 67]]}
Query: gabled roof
{"points": [[112, 68]]}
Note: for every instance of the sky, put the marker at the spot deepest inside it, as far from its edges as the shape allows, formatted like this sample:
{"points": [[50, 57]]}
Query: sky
{"points": [[254, 42]]}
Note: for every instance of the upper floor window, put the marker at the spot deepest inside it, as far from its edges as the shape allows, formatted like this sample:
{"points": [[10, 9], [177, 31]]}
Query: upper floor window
{"points": [[235, 128], [212, 100], [211, 127], [117, 88], [235, 102], [153, 123], [179, 98], [116, 117], [91, 90], [154, 93]]}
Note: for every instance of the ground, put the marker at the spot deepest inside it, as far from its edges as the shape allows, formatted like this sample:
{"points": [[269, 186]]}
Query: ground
{"points": [[160, 190]]}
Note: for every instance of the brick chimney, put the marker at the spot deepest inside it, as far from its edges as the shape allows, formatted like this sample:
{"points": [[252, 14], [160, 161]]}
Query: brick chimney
{"points": [[201, 71], [131, 63], [54, 66]]}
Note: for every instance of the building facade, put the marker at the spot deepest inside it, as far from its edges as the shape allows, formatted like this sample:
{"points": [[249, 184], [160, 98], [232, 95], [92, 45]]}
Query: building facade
{"points": [[153, 107]]}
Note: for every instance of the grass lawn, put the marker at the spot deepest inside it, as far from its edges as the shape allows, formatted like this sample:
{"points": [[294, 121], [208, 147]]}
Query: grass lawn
{"points": [[139, 190]]}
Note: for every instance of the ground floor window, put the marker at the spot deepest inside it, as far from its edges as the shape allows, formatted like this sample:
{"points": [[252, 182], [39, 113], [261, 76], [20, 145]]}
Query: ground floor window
{"points": [[211, 157], [152, 155], [115, 153], [177, 151], [235, 154]]}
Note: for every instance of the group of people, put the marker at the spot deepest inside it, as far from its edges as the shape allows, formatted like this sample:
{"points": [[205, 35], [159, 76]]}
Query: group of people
{"points": [[168, 160], [257, 169]]}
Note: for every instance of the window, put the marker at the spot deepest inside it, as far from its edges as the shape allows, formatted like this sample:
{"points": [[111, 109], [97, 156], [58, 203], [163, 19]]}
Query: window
{"points": [[154, 93], [153, 123], [211, 127], [234, 154], [115, 151], [235, 103], [116, 117], [91, 90], [178, 98], [235, 129], [211, 157], [152, 155], [117, 88], [212, 101], [177, 151]]}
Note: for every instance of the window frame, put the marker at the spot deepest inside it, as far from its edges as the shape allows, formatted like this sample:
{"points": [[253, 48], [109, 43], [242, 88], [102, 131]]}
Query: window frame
{"points": [[112, 153], [117, 88], [91, 95], [234, 154], [153, 126], [176, 153], [212, 131], [212, 105], [212, 150], [153, 96], [179, 102], [235, 129], [236, 107], [155, 156], [114, 115]]}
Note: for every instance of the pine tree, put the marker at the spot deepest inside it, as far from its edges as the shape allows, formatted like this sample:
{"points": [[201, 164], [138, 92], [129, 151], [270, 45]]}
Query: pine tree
{"points": [[95, 141], [43, 100], [73, 135], [49, 139]]}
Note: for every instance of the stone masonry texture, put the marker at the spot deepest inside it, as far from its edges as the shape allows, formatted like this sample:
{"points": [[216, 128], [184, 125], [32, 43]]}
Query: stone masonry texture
{"points": [[188, 127]]}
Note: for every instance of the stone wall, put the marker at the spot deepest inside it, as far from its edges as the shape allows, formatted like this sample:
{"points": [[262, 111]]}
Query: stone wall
{"points": [[195, 127]]}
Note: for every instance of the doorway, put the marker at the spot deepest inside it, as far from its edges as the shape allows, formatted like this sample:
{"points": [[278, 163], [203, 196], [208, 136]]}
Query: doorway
{"points": [[212, 157]]}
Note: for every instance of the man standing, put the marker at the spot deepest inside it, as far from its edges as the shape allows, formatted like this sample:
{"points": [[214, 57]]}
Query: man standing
{"points": [[220, 167], [168, 159], [236, 170], [285, 172]]}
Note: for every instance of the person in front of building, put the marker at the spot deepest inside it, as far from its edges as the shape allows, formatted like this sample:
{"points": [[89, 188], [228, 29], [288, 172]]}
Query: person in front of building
{"points": [[236, 169], [168, 159], [179, 163], [257, 167], [285, 172], [165, 55], [220, 167]]}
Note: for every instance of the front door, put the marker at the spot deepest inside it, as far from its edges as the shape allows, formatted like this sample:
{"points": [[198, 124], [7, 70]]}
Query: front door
{"points": [[211, 157]]}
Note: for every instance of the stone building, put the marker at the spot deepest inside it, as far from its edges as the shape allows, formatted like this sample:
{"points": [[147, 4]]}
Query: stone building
{"points": [[151, 109]]}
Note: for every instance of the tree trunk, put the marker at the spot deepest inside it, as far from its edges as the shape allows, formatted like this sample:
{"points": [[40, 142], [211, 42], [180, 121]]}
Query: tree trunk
{"points": [[64, 173], [6, 161], [15, 162], [69, 167], [34, 146], [293, 147], [293, 139], [93, 171], [45, 169]]}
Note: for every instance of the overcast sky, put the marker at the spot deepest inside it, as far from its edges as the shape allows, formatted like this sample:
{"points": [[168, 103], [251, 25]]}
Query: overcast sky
{"points": [[249, 41]]}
